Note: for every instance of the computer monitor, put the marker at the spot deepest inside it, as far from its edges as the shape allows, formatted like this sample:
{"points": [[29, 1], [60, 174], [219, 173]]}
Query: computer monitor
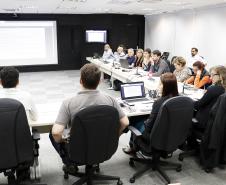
{"points": [[96, 36]]}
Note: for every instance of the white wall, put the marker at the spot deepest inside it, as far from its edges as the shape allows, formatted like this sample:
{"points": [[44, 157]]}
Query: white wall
{"points": [[179, 32]]}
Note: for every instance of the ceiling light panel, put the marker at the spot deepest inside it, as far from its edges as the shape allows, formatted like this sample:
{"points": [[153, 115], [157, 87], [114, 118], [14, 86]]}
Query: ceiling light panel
{"points": [[120, 2]]}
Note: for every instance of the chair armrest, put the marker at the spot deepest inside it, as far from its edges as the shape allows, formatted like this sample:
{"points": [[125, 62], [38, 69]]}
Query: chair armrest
{"points": [[134, 131]]}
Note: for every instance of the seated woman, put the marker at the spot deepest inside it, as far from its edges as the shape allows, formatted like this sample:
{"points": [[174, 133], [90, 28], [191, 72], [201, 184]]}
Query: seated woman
{"points": [[204, 105], [147, 59], [181, 72], [139, 58], [201, 77], [168, 89]]}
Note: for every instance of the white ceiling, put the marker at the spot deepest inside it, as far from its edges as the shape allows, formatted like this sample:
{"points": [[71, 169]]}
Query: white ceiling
{"points": [[143, 7]]}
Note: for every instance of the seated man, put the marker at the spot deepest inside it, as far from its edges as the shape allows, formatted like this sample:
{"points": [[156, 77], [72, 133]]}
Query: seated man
{"points": [[196, 57], [159, 66], [9, 82], [120, 54], [89, 95]]}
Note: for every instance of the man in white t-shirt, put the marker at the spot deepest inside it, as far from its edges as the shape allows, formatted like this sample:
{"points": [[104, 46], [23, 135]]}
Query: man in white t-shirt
{"points": [[9, 81], [196, 57]]}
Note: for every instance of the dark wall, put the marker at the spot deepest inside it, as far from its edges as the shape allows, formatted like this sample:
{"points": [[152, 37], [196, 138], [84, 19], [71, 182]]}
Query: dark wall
{"points": [[72, 48]]}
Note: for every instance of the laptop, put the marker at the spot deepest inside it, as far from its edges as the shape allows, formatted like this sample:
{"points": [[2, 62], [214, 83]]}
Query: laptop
{"points": [[133, 92], [124, 63]]}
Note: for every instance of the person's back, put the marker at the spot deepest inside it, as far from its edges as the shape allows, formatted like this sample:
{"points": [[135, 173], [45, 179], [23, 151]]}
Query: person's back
{"points": [[88, 96], [83, 99], [9, 82]]}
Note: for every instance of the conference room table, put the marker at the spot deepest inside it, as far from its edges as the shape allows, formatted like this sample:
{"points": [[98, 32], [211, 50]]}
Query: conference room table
{"points": [[47, 113]]}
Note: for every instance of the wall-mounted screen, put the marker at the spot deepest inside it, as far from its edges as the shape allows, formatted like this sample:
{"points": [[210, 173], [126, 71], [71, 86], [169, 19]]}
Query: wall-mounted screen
{"points": [[99, 36], [28, 43]]}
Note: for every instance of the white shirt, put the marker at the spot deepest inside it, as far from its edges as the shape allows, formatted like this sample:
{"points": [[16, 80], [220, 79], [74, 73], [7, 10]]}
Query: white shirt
{"points": [[196, 58], [119, 56], [108, 55], [24, 98]]}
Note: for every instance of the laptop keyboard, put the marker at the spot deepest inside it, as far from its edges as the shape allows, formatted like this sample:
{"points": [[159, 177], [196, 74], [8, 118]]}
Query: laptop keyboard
{"points": [[137, 100]]}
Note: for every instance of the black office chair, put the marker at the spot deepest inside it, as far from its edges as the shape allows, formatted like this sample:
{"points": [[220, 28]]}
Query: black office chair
{"points": [[15, 139], [211, 149], [169, 131], [93, 139]]}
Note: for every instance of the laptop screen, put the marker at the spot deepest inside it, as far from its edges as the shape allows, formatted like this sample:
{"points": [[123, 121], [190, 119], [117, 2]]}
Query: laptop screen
{"points": [[132, 90]]}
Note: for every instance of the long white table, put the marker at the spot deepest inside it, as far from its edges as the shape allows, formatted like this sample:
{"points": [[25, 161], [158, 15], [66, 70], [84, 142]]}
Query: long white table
{"points": [[130, 76], [47, 113]]}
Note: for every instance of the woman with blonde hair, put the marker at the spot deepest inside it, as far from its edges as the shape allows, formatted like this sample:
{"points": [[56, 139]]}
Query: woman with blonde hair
{"points": [[181, 72], [139, 58], [204, 105]]}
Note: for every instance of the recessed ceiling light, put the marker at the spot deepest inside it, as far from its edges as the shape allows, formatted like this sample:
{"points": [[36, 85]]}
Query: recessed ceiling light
{"points": [[149, 1], [147, 9], [75, 1], [28, 6], [124, 2], [179, 3]]}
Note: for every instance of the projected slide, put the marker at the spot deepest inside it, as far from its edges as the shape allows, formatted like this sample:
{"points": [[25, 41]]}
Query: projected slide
{"points": [[28, 43]]}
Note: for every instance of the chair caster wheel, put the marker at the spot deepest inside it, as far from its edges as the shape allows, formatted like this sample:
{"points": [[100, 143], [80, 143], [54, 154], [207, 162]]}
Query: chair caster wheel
{"points": [[178, 169], [180, 158], [132, 180], [66, 176], [119, 182], [131, 163]]}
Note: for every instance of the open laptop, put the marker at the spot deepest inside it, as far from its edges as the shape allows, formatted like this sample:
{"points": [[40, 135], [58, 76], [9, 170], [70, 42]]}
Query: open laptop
{"points": [[124, 63], [133, 92]]}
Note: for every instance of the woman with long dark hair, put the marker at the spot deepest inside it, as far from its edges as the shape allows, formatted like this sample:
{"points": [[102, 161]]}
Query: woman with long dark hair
{"points": [[168, 89]]}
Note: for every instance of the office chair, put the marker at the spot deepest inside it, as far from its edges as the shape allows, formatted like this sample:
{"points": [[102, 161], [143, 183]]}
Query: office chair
{"points": [[212, 145], [93, 139], [165, 55], [15, 139], [169, 131]]}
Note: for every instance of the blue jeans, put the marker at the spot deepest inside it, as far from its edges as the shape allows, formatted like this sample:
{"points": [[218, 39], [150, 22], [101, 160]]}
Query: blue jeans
{"points": [[61, 148], [138, 123]]}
